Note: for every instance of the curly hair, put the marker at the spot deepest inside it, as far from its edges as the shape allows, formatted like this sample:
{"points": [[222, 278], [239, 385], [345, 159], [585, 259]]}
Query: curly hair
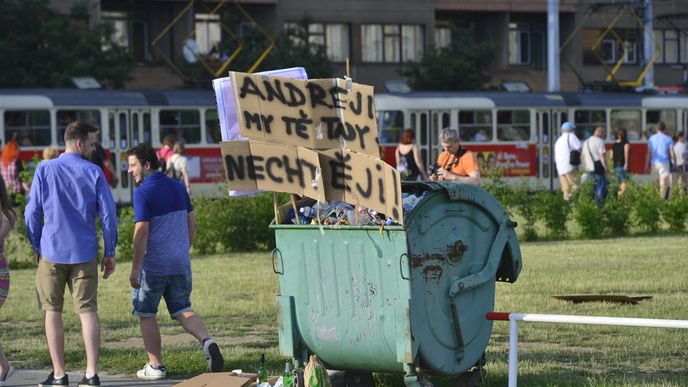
{"points": [[146, 154]]}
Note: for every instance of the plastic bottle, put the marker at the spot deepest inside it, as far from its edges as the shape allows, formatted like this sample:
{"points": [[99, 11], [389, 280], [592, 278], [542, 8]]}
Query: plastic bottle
{"points": [[262, 372]]}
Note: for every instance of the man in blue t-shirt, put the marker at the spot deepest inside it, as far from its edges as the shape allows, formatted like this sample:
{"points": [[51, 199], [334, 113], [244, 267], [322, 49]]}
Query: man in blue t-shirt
{"points": [[660, 151], [165, 227]]}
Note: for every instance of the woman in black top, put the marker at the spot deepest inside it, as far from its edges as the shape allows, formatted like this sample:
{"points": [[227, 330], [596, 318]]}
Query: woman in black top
{"points": [[621, 156], [407, 157]]}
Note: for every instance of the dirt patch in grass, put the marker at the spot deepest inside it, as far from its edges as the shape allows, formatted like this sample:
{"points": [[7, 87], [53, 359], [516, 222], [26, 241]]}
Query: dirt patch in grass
{"points": [[185, 338]]}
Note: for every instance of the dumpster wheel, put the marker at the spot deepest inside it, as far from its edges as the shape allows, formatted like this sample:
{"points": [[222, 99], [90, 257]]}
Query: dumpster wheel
{"points": [[474, 376]]}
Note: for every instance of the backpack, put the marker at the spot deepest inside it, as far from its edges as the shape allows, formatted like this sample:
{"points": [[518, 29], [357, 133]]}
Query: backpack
{"points": [[163, 156], [171, 171]]}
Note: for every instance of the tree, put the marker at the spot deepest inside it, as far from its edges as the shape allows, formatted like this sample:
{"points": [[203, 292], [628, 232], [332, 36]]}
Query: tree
{"points": [[41, 48], [292, 49], [462, 65]]}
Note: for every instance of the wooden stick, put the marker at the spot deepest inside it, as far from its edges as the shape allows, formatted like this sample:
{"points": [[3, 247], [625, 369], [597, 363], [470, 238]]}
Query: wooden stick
{"points": [[296, 211], [275, 205], [347, 68]]}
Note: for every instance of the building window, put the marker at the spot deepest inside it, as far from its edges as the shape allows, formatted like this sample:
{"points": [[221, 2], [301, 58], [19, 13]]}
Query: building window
{"points": [[208, 32], [130, 31], [392, 43], [333, 36], [672, 46], [442, 37], [612, 51], [519, 43]]}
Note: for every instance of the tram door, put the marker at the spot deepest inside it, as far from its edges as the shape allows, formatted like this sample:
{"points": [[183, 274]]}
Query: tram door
{"points": [[127, 128], [428, 124], [548, 122]]}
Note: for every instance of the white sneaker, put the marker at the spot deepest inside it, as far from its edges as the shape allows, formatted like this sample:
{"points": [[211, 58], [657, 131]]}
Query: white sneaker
{"points": [[150, 373], [212, 355]]}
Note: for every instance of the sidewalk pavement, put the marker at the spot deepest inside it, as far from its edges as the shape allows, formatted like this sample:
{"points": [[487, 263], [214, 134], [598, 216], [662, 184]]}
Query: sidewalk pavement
{"points": [[28, 377]]}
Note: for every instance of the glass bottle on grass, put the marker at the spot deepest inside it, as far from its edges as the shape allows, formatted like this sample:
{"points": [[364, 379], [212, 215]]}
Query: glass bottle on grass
{"points": [[288, 377], [262, 372]]}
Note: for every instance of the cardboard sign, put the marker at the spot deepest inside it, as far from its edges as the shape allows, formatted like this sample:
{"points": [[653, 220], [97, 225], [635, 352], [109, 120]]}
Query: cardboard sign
{"points": [[336, 174], [316, 114], [272, 167], [362, 180]]}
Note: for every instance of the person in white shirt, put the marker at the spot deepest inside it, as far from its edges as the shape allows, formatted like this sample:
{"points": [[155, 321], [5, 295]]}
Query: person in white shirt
{"points": [[568, 173], [680, 152], [594, 151], [177, 166]]}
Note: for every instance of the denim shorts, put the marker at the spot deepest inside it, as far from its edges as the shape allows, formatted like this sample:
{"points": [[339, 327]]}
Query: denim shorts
{"points": [[176, 289], [620, 172]]}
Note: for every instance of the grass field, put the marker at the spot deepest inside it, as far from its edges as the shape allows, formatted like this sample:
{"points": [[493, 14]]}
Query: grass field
{"points": [[235, 294]]}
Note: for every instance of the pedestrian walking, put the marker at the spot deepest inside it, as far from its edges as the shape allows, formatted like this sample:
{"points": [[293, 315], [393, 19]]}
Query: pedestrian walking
{"points": [[164, 230], [67, 195]]}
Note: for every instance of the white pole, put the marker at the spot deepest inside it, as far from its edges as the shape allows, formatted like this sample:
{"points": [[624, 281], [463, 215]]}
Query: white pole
{"points": [[619, 321], [514, 318], [513, 348], [553, 66]]}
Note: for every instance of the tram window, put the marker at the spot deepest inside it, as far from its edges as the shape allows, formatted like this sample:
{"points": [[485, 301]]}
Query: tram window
{"points": [[212, 127], [654, 117], [135, 129], [184, 124], [475, 125], [66, 117], [513, 125], [629, 120], [390, 125], [28, 128], [147, 137], [587, 120]]}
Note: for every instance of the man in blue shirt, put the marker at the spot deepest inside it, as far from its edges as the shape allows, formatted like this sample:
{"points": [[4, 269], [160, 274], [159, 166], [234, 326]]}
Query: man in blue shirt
{"points": [[164, 230], [66, 196], [660, 151]]}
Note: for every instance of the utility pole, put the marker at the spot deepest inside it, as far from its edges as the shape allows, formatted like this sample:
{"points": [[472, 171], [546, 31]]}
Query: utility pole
{"points": [[553, 64]]}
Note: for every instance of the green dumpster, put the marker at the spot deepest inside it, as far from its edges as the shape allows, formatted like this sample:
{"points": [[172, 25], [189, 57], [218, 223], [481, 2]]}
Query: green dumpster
{"points": [[401, 299]]}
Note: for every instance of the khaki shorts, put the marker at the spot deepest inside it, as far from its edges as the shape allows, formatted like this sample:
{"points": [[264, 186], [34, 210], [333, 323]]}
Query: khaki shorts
{"points": [[81, 279]]}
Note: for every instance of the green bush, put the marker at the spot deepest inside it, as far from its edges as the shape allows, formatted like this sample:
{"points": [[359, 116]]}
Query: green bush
{"points": [[646, 204], [554, 211], [675, 211], [617, 213], [586, 213], [234, 224], [522, 203], [125, 239], [494, 183]]}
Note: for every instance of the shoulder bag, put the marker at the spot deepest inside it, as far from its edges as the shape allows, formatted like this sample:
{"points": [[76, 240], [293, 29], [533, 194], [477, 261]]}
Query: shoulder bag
{"points": [[575, 155], [598, 168]]}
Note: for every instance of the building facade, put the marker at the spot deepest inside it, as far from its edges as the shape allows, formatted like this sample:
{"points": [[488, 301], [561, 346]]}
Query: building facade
{"points": [[602, 42]]}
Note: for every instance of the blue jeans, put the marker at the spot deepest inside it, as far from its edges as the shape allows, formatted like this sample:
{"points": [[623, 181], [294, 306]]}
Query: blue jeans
{"points": [[176, 289], [600, 189]]}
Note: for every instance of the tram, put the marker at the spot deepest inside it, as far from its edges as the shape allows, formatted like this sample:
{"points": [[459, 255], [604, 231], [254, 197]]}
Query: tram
{"points": [[517, 131], [38, 118], [514, 131]]}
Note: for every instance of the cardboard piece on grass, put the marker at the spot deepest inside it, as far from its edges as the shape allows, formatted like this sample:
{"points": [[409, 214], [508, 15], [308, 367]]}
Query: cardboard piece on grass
{"points": [[218, 379]]}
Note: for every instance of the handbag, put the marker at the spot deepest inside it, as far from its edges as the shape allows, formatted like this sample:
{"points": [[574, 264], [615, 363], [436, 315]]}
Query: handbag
{"points": [[598, 168], [575, 155]]}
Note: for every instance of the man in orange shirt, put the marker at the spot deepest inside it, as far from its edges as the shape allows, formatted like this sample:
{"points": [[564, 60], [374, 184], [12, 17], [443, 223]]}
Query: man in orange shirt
{"points": [[456, 163]]}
